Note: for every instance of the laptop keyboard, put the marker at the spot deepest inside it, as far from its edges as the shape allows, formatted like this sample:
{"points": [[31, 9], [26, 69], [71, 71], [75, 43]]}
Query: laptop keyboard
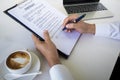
{"points": [[85, 8]]}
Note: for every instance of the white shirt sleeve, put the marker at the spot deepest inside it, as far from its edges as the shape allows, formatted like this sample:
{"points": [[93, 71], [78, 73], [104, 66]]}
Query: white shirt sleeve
{"points": [[60, 72], [110, 30]]}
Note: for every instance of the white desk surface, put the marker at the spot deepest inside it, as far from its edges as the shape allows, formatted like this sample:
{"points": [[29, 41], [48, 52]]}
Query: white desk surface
{"points": [[93, 58]]}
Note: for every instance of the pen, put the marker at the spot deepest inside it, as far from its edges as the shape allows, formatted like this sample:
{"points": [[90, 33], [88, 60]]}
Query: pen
{"points": [[75, 21]]}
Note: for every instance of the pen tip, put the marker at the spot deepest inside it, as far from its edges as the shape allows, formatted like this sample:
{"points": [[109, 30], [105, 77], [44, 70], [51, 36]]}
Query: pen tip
{"points": [[84, 14], [64, 28]]}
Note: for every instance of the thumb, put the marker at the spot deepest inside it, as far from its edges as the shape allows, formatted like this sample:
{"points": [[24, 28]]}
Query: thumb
{"points": [[46, 36]]}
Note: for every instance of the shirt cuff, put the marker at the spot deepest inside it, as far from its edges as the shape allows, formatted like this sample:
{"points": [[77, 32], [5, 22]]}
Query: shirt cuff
{"points": [[60, 72], [102, 30]]}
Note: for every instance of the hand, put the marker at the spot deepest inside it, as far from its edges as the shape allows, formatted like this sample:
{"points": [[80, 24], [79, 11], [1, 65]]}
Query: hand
{"points": [[47, 48], [80, 26]]}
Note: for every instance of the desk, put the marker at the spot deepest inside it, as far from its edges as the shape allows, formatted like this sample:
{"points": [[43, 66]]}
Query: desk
{"points": [[93, 58]]}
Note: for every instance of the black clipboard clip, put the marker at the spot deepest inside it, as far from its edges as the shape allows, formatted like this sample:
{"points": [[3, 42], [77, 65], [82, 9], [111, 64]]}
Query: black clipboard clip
{"points": [[24, 2]]}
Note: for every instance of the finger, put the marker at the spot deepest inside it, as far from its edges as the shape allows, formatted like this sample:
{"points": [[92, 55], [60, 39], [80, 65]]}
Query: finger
{"points": [[66, 20], [69, 18], [70, 26], [36, 40], [46, 36], [69, 30]]}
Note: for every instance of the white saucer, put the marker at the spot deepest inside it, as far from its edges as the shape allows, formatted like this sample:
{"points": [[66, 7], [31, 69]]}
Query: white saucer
{"points": [[35, 67]]}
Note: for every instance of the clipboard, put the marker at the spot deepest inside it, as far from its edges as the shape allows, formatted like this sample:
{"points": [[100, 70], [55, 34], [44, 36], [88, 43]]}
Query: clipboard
{"points": [[27, 27]]}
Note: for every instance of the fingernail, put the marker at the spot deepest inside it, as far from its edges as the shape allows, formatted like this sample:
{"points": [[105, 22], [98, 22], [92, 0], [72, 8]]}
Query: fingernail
{"points": [[67, 26]]}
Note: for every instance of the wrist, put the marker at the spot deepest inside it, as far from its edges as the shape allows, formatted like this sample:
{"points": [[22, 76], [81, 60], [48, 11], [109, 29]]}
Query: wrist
{"points": [[53, 61], [91, 29]]}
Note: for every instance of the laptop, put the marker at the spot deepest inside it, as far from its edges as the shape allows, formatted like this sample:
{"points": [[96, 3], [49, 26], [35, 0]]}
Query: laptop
{"points": [[92, 8]]}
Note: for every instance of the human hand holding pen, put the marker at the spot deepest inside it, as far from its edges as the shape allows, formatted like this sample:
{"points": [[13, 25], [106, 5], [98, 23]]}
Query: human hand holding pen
{"points": [[80, 26]]}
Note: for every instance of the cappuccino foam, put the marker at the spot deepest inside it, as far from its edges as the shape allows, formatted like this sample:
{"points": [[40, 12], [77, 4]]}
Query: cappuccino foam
{"points": [[18, 60]]}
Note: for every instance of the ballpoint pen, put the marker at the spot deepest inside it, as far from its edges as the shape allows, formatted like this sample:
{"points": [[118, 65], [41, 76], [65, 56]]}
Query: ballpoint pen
{"points": [[75, 21]]}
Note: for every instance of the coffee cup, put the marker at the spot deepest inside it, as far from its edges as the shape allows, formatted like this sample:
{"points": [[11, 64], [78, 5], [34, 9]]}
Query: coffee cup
{"points": [[18, 62]]}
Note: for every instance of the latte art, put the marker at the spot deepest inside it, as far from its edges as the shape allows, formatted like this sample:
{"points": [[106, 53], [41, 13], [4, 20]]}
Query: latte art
{"points": [[18, 60]]}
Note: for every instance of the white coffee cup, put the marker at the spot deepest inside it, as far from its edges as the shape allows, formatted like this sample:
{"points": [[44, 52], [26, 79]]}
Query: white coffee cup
{"points": [[18, 62]]}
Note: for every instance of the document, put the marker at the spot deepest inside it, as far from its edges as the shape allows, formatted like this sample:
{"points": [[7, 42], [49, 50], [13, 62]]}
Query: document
{"points": [[37, 16]]}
